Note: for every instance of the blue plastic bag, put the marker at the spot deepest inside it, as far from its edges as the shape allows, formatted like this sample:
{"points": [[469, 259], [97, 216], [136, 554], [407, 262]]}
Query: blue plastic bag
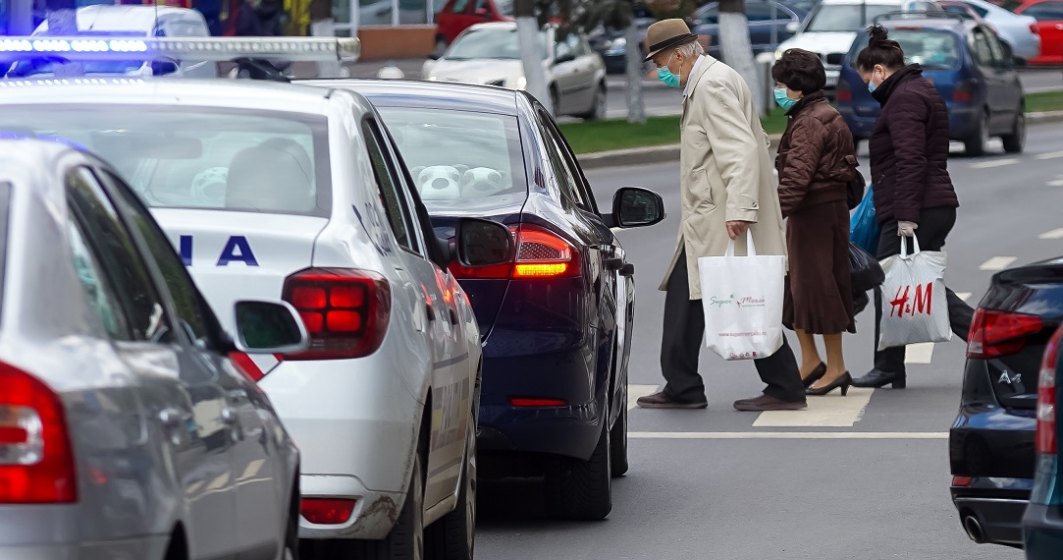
{"points": [[863, 227]]}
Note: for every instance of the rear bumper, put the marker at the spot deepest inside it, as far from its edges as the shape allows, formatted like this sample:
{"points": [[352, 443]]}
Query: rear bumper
{"points": [[999, 513], [571, 430], [374, 512], [142, 548], [1043, 529]]}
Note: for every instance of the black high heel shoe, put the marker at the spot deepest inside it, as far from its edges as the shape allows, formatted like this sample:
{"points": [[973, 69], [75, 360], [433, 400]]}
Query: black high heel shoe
{"points": [[843, 382], [816, 375]]}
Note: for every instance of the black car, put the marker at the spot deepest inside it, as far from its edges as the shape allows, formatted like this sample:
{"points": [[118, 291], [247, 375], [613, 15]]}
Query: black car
{"points": [[992, 441], [556, 322]]}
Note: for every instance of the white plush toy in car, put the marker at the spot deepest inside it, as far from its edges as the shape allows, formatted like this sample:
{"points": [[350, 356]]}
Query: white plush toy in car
{"points": [[438, 182], [480, 181]]}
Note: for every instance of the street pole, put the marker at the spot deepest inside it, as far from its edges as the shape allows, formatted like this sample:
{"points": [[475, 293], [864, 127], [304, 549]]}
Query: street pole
{"points": [[636, 107], [736, 48], [531, 55]]}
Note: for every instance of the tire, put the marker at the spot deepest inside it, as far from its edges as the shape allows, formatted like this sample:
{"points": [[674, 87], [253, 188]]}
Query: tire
{"points": [[1015, 142], [454, 536], [598, 109], [406, 539], [974, 144], [618, 443], [291, 534], [582, 490]]}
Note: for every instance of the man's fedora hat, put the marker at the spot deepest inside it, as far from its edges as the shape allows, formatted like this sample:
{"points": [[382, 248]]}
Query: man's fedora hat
{"points": [[667, 34]]}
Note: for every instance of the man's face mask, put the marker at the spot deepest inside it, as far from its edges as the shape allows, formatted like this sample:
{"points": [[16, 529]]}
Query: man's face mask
{"points": [[665, 75]]}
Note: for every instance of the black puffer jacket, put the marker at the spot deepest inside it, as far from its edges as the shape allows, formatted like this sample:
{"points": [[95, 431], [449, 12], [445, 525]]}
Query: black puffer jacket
{"points": [[910, 148]]}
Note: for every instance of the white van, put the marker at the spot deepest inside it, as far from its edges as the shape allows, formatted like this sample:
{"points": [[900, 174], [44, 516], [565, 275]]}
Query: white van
{"points": [[132, 22], [830, 29]]}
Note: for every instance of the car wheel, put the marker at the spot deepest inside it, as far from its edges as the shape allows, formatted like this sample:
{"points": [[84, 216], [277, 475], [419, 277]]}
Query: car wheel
{"points": [[582, 490], [454, 536], [618, 442], [291, 534], [1015, 142], [406, 539], [975, 143], [598, 108]]}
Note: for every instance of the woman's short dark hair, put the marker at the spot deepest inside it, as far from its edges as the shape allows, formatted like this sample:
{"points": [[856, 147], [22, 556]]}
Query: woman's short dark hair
{"points": [[880, 50], [800, 70]]}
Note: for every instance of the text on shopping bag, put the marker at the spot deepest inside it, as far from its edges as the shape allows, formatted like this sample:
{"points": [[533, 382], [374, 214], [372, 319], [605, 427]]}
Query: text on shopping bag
{"points": [[921, 304]]}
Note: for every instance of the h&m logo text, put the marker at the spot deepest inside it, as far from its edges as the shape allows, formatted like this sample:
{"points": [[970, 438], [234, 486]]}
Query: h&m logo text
{"points": [[902, 305]]}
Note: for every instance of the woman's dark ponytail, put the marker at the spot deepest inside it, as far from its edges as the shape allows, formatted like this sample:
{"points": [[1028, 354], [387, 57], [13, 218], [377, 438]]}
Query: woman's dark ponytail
{"points": [[880, 50]]}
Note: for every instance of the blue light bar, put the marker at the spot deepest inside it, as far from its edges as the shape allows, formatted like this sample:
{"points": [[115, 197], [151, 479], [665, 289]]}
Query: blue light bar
{"points": [[88, 48]]}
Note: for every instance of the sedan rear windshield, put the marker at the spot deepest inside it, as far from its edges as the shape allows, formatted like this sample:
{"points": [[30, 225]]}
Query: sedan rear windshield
{"points": [[241, 160], [934, 49], [460, 161], [846, 17]]}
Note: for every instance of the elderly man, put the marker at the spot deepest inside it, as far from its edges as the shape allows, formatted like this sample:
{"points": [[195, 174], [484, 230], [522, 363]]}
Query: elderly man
{"points": [[727, 187]]}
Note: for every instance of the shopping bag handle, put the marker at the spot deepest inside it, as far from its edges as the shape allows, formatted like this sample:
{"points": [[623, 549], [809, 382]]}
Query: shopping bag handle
{"points": [[751, 249], [904, 247]]}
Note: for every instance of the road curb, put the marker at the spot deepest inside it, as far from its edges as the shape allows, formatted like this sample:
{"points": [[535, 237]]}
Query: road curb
{"points": [[670, 152]]}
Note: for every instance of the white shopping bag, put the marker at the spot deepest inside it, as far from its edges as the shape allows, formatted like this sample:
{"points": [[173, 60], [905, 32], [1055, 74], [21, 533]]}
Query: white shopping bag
{"points": [[914, 308], [743, 299]]}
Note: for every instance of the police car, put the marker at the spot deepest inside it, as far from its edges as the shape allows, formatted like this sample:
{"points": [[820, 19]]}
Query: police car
{"points": [[273, 190]]}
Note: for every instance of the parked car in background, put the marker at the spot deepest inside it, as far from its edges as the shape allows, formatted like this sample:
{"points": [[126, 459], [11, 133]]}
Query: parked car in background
{"points": [[968, 65], [992, 441], [556, 322], [128, 427], [279, 191], [770, 22], [611, 44], [831, 27], [459, 15], [1042, 525], [1049, 16], [1019, 32], [489, 54], [380, 12]]}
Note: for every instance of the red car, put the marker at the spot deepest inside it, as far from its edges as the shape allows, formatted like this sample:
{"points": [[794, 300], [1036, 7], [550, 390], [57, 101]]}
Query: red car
{"points": [[459, 15], [1049, 16]]}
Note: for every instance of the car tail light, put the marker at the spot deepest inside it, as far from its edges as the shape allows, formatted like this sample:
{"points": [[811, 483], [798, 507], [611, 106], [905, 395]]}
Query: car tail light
{"points": [[962, 481], [999, 333], [346, 311], [327, 511], [36, 459], [536, 402], [540, 253], [963, 93], [1046, 398], [844, 93]]}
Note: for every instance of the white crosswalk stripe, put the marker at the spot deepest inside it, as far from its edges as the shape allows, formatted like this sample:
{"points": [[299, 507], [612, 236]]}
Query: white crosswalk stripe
{"points": [[636, 391], [919, 353], [830, 411], [997, 263], [1054, 234], [1049, 155], [788, 435], [994, 163]]}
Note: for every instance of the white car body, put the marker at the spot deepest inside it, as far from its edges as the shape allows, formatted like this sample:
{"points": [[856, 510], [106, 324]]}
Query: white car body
{"points": [[832, 45], [577, 85], [145, 21], [1018, 31], [359, 423]]}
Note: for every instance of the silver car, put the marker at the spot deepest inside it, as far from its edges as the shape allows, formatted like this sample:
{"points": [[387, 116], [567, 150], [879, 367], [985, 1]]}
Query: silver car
{"points": [[126, 430]]}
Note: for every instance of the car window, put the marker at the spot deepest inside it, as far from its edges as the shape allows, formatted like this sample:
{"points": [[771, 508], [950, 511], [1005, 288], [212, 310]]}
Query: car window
{"points": [[999, 56], [99, 294], [198, 157], [980, 45], [711, 15], [1046, 11], [490, 43], [759, 12], [188, 304], [932, 48], [394, 203], [846, 17], [460, 161], [566, 180], [120, 261], [459, 6], [579, 182]]}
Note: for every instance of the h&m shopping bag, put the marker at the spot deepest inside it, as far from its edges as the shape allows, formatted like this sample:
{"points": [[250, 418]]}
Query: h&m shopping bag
{"points": [[743, 299], [914, 308]]}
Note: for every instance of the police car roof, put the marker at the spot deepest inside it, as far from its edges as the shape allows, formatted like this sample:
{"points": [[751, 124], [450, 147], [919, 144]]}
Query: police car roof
{"points": [[440, 95], [239, 94]]}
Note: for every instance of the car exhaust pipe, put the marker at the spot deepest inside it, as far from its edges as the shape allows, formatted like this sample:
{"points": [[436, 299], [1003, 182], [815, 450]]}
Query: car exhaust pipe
{"points": [[973, 526]]}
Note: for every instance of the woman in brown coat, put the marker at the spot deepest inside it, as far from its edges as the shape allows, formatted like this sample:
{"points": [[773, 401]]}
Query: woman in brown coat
{"points": [[816, 161]]}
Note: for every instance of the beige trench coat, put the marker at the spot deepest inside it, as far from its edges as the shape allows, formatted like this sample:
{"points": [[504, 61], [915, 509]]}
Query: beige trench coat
{"points": [[727, 172]]}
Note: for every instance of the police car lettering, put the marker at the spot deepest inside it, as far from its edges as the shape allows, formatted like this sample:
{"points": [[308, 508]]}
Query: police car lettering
{"points": [[236, 249]]}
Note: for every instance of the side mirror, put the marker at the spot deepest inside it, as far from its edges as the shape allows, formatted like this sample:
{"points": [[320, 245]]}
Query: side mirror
{"points": [[793, 27], [434, 56], [264, 327], [635, 207], [483, 243], [569, 57]]}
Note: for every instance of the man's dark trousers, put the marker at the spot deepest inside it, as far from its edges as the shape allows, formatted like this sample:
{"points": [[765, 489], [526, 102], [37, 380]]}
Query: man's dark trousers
{"points": [[684, 336], [934, 226]]}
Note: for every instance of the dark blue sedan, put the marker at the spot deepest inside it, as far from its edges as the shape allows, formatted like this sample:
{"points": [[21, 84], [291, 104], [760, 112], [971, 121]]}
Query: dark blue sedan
{"points": [[971, 68], [1043, 523], [555, 322]]}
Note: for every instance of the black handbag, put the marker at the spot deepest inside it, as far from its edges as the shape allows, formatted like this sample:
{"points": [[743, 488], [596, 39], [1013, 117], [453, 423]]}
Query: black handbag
{"points": [[864, 269]]}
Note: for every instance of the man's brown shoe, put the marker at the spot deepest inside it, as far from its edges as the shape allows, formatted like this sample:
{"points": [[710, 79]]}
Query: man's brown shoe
{"points": [[661, 400], [766, 402]]}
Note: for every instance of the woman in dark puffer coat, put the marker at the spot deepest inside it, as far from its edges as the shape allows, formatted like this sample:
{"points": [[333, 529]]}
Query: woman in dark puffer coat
{"points": [[914, 196], [816, 162]]}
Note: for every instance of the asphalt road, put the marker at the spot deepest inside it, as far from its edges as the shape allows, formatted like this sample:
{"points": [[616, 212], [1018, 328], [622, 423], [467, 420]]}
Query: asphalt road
{"points": [[862, 477], [659, 100]]}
